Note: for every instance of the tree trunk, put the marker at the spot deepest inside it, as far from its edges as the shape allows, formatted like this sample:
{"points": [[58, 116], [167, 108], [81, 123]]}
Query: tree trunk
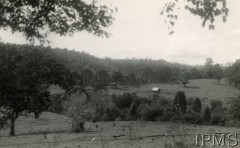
{"points": [[12, 127]]}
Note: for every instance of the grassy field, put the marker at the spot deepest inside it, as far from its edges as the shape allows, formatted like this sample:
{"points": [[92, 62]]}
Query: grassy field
{"points": [[118, 134], [202, 88]]}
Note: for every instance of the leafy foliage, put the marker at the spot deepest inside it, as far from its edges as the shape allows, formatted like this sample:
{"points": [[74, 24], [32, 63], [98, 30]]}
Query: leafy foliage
{"points": [[234, 110], [207, 10], [197, 106], [87, 77], [184, 78], [180, 103], [80, 108], [206, 117], [25, 75], [101, 80], [124, 101], [36, 18], [117, 77]]}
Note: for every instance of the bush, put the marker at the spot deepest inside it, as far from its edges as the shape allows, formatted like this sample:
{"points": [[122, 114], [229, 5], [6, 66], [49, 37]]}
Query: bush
{"points": [[56, 104], [111, 112], [152, 114], [197, 106], [142, 109], [217, 119], [160, 102], [216, 105], [124, 114], [180, 103], [234, 109], [78, 107], [3, 122], [118, 119], [206, 117], [132, 112], [190, 101], [102, 100], [123, 101], [192, 117], [166, 115]]}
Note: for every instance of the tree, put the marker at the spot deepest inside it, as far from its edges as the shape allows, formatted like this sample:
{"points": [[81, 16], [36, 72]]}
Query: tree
{"points": [[100, 80], [175, 73], [124, 101], [79, 107], [102, 101], [25, 74], [87, 77], [206, 115], [234, 109], [234, 72], [117, 77], [147, 74], [36, 18], [164, 74], [180, 103], [208, 67], [197, 106], [183, 78], [195, 73], [130, 79], [217, 72]]}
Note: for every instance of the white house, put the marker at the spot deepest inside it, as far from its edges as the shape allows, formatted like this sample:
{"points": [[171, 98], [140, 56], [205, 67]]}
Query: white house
{"points": [[156, 89]]}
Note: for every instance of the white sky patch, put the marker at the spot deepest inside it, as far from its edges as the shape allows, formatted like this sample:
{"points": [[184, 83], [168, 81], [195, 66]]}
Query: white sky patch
{"points": [[139, 32]]}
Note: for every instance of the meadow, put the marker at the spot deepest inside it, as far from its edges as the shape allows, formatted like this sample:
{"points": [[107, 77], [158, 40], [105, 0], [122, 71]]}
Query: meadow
{"points": [[202, 88], [54, 130], [117, 134]]}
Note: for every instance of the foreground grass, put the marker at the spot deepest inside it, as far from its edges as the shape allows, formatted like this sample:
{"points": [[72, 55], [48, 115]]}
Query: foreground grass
{"points": [[119, 134]]}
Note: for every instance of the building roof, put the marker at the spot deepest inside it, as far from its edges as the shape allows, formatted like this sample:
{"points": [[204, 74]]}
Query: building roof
{"points": [[155, 89]]}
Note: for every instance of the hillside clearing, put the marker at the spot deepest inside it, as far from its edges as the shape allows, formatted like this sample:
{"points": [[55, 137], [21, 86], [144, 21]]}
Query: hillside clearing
{"points": [[202, 88]]}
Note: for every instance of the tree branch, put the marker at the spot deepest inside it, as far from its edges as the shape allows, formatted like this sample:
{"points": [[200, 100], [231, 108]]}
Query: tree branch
{"points": [[5, 113]]}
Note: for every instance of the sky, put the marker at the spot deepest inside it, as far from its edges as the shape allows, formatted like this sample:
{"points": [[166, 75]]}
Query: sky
{"points": [[139, 31]]}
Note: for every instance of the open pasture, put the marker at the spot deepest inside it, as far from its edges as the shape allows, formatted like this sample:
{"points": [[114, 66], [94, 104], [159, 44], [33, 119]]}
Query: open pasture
{"points": [[202, 88], [118, 134]]}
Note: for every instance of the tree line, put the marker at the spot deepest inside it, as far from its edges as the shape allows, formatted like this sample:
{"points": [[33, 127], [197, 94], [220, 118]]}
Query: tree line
{"points": [[27, 71]]}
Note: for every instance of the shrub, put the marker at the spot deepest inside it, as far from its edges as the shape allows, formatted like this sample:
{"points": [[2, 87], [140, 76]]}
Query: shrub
{"points": [[217, 119], [152, 114], [132, 112], [166, 115], [192, 117], [102, 100], [145, 101], [160, 102], [142, 109], [216, 105], [206, 117], [234, 109], [111, 112], [3, 122], [180, 103], [124, 114], [118, 119], [56, 104], [80, 109], [190, 101], [123, 101], [197, 106]]}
